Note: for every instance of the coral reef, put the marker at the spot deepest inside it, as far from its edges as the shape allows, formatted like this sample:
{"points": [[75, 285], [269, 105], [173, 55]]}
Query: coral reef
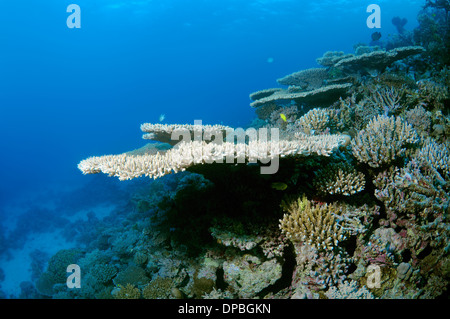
{"points": [[362, 212]]}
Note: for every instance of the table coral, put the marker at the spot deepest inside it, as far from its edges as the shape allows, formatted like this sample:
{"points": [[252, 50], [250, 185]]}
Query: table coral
{"points": [[320, 96], [308, 79]]}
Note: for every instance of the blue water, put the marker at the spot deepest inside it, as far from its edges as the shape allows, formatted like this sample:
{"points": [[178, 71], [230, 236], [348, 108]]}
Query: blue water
{"points": [[66, 94]]}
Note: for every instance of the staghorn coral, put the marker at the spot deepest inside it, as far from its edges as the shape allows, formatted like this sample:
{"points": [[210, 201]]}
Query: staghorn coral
{"points": [[383, 140], [339, 178]]}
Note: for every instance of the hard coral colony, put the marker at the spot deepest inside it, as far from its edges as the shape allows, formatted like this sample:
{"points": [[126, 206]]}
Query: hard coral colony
{"points": [[364, 158]]}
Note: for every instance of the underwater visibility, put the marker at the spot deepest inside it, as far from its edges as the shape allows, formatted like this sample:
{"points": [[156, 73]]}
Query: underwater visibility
{"points": [[225, 150]]}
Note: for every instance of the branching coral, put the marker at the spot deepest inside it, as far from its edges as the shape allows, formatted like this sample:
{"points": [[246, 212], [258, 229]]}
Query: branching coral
{"points": [[430, 94], [386, 99], [420, 119], [314, 122], [314, 225], [437, 155], [417, 203], [383, 140], [339, 178]]}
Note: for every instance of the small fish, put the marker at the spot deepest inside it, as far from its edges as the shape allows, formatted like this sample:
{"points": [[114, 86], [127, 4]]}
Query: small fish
{"points": [[283, 117], [279, 186], [162, 117], [376, 36]]}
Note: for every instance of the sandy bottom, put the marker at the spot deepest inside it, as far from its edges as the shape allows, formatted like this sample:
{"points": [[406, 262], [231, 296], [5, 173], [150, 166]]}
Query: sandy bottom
{"points": [[18, 268]]}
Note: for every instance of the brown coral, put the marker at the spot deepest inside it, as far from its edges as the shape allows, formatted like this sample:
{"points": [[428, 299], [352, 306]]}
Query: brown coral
{"points": [[314, 225]]}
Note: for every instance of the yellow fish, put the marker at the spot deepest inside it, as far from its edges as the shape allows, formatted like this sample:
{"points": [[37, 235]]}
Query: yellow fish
{"points": [[279, 186], [283, 117]]}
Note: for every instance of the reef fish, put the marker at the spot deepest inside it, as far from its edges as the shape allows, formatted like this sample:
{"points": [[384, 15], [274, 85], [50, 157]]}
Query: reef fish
{"points": [[279, 186], [376, 36], [283, 117]]}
